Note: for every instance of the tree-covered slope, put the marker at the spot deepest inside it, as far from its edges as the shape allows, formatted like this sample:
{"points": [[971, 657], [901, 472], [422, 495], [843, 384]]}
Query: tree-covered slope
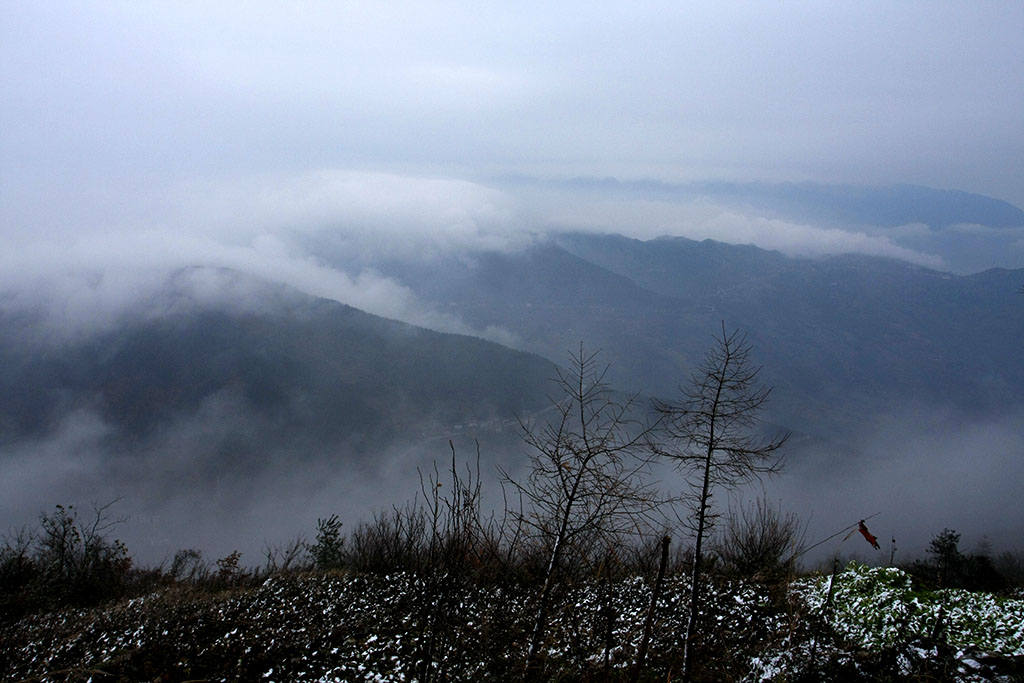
{"points": [[842, 338], [316, 370]]}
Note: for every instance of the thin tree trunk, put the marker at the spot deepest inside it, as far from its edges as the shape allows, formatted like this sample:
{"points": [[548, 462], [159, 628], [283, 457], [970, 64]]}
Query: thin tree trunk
{"points": [[649, 621], [608, 612], [540, 622], [691, 620]]}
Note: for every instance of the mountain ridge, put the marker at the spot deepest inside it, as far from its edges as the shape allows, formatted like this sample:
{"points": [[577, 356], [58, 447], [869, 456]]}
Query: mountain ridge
{"points": [[351, 370], [882, 205]]}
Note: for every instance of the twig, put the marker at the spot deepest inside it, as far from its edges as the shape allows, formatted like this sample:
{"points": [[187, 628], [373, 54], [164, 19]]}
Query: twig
{"points": [[826, 540]]}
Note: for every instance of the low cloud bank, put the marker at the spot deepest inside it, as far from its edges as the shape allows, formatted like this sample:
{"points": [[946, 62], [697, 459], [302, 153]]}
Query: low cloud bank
{"points": [[701, 219], [911, 482], [90, 278], [915, 474], [330, 233], [196, 484]]}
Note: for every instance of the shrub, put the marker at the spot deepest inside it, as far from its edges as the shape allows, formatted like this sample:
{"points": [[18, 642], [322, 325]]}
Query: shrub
{"points": [[68, 561], [760, 541], [950, 568]]}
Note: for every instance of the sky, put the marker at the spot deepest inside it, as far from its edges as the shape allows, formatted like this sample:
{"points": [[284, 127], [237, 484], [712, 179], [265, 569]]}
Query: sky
{"points": [[126, 116]]}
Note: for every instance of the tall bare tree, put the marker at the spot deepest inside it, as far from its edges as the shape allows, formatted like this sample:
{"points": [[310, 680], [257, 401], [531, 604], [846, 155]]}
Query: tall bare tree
{"points": [[586, 484], [709, 431]]}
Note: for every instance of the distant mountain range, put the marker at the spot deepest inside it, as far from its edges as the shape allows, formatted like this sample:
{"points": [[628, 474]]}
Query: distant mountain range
{"points": [[968, 232], [298, 373], [230, 410], [885, 206], [842, 339]]}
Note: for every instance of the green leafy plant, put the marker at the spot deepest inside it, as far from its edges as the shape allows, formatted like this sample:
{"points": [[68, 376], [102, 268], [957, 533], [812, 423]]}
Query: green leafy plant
{"points": [[328, 552]]}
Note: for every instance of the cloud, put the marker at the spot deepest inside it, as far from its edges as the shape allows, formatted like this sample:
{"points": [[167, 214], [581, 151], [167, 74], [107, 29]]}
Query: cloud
{"points": [[270, 229], [857, 93], [237, 105], [919, 471], [327, 232], [180, 487], [966, 248], [107, 277], [700, 219], [391, 214]]}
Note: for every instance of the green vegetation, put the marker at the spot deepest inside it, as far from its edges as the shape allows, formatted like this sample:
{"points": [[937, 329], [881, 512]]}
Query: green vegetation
{"points": [[878, 608]]}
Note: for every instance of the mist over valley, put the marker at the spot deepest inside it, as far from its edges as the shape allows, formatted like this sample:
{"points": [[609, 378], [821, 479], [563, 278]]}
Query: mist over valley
{"points": [[536, 341], [258, 264], [230, 411]]}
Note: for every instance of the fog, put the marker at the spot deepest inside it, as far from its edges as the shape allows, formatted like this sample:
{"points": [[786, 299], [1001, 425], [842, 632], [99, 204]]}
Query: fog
{"points": [[325, 232], [201, 145], [219, 480], [189, 133], [88, 282], [910, 476], [118, 96], [914, 475]]}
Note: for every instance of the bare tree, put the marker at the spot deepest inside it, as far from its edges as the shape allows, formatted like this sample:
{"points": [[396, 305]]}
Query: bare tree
{"points": [[709, 432], [586, 484]]}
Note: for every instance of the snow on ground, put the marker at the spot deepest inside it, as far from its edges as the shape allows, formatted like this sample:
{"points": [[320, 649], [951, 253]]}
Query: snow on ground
{"points": [[399, 627]]}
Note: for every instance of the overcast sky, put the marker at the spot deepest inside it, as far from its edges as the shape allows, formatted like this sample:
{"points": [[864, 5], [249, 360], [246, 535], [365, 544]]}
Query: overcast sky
{"points": [[192, 116]]}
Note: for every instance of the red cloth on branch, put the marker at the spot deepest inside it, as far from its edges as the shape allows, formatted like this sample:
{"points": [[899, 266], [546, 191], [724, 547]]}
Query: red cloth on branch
{"points": [[867, 535]]}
